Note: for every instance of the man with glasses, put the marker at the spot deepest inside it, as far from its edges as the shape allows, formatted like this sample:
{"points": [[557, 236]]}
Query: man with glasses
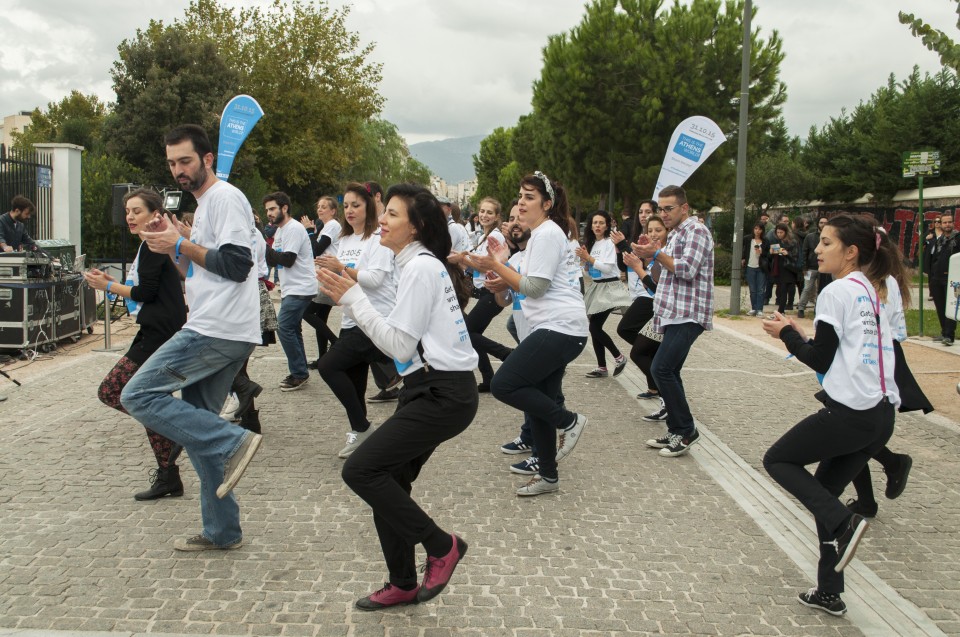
{"points": [[682, 310], [947, 245]]}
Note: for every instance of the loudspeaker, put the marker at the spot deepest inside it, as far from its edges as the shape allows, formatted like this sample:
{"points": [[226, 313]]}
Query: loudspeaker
{"points": [[119, 211]]}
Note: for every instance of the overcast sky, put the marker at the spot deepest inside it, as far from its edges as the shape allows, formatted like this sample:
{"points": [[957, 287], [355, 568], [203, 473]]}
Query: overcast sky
{"points": [[454, 68]]}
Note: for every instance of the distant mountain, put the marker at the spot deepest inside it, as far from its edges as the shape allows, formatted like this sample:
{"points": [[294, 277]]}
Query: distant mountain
{"points": [[451, 158]]}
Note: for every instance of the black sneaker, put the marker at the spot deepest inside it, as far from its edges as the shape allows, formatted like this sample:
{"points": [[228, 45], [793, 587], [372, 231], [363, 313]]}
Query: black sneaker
{"points": [[897, 480], [658, 416], [861, 508], [680, 445], [659, 443], [846, 543], [619, 365], [529, 467], [515, 446], [799, 313], [384, 396], [314, 365], [292, 383], [827, 603], [483, 388], [947, 341]]}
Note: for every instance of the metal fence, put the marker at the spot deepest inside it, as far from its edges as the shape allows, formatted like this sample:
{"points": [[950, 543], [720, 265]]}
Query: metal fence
{"points": [[29, 173]]}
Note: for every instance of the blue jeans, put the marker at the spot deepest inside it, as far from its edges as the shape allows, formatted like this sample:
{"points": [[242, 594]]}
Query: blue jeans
{"points": [[202, 368], [290, 332], [667, 363], [530, 380], [757, 282]]}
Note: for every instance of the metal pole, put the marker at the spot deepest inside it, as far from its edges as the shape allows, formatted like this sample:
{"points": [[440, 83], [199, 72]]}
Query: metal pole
{"points": [[107, 344], [920, 246], [610, 196], [736, 273]]}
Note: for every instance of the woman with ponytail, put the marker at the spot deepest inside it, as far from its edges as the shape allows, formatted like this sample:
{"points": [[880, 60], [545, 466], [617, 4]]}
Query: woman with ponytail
{"points": [[853, 354], [427, 338], [552, 304]]}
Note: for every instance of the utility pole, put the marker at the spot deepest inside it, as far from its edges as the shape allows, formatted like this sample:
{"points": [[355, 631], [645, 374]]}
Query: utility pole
{"points": [[736, 273]]}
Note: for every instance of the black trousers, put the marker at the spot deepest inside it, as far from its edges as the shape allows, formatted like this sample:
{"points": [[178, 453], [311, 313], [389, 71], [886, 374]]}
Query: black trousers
{"points": [[433, 408], [642, 349], [344, 368], [842, 440], [938, 290], [785, 293], [316, 317], [600, 339], [484, 311]]}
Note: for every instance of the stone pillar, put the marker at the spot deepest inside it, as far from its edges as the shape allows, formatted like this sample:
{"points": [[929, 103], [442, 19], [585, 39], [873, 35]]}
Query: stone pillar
{"points": [[66, 191]]}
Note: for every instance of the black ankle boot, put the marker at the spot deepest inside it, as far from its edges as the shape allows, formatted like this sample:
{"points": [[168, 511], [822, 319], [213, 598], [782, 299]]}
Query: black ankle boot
{"points": [[163, 482], [246, 390], [250, 420]]}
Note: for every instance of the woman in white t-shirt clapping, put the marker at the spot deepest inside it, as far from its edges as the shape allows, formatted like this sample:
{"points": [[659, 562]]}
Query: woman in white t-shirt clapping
{"points": [[345, 367], [530, 379], [852, 353], [325, 242], [486, 308], [604, 292], [426, 336]]}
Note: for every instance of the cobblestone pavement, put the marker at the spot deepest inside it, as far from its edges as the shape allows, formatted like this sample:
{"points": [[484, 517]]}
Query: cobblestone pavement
{"points": [[632, 544]]}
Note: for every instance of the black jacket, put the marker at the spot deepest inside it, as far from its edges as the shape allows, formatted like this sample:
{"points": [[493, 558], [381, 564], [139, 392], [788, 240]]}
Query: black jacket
{"points": [[809, 250], [940, 260]]}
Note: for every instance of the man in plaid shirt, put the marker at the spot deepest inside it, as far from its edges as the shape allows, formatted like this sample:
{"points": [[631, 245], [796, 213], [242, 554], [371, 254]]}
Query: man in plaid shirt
{"points": [[682, 310]]}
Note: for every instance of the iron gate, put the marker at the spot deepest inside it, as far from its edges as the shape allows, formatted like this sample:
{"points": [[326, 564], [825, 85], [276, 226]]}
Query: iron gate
{"points": [[28, 173]]}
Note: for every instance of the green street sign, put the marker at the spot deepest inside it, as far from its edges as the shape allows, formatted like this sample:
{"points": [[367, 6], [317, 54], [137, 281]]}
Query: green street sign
{"points": [[921, 162]]}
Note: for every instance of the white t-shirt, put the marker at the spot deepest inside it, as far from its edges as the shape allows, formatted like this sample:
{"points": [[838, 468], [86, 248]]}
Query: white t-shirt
{"points": [[458, 236], [574, 244], [133, 280], [895, 313], [427, 309], [519, 320], [331, 229], [635, 285], [263, 270], [219, 307], [604, 253], [753, 260], [300, 278], [561, 308], [482, 250], [854, 375], [368, 255]]}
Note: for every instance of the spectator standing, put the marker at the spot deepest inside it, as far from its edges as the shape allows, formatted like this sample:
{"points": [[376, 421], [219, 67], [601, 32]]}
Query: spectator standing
{"points": [[811, 273], [947, 244], [756, 259]]}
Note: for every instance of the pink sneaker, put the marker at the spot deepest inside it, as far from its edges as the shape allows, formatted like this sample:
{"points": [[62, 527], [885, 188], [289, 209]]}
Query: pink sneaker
{"points": [[439, 570], [387, 596]]}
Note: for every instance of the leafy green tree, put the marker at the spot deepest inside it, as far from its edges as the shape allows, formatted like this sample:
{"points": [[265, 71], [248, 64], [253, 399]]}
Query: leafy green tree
{"points": [[310, 75], [935, 39], [384, 157], [861, 152], [160, 83], [613, 89], [98, 173], [494, 155], [778, 178], [76, 119]]}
